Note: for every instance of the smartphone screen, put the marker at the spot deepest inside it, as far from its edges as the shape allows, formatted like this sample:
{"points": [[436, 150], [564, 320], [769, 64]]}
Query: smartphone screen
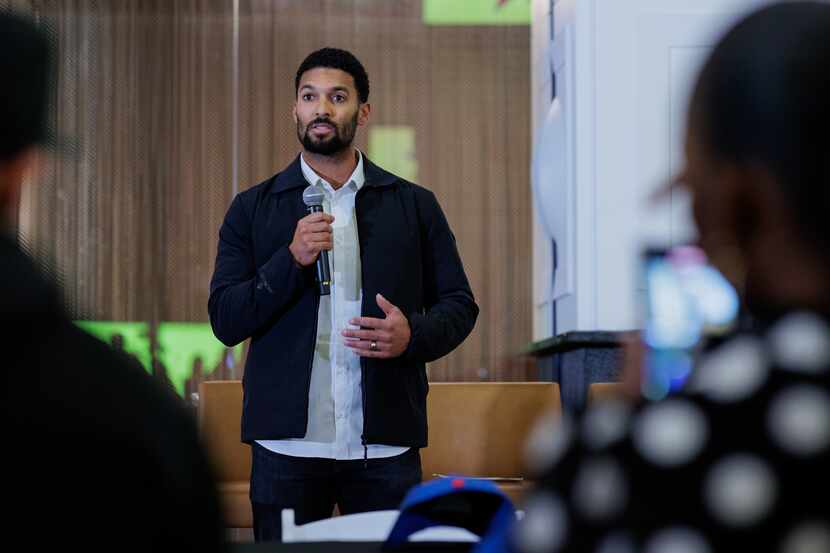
{"points": [[686, 300]]}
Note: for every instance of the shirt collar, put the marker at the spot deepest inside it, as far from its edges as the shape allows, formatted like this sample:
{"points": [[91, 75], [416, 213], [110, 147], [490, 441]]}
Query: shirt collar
{"points": [[358, 177]]}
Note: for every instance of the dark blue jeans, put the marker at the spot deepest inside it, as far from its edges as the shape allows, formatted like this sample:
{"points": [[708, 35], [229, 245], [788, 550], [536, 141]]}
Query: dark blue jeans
{"points": [[312, 486]]}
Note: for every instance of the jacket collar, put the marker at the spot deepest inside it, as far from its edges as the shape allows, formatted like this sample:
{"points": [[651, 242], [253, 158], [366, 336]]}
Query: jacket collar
{"points": [[292, 176]]}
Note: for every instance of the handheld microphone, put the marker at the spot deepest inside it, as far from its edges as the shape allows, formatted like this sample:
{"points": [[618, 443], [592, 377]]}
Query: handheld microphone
{"points": [[313, 199]]}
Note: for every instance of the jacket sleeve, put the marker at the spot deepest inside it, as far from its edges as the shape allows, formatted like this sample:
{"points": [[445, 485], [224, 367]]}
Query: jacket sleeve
{"points": [[451, 310], [244, 298]]}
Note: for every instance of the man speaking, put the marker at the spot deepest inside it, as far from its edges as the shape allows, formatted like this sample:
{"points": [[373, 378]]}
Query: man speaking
{"points": [[335, 383]]}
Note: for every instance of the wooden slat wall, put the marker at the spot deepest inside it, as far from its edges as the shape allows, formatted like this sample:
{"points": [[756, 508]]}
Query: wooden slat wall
{"points": [[146, 87]]}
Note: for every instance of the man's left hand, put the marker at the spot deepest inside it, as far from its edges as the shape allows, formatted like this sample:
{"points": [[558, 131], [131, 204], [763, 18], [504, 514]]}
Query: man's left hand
{"points": [[382, 338]]}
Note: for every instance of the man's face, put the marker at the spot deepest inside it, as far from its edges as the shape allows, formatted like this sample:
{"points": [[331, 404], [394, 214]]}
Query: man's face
{"points": [[328, 111], [698, 179], [719, 207], [714, 195]]}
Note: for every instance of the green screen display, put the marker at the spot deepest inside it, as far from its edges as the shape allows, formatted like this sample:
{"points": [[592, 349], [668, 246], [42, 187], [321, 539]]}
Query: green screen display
{"points": [[182, 350], [476, 12], [393, 148]]}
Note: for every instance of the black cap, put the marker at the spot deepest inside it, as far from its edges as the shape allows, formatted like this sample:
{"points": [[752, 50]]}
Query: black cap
{"points": [[25, 73]]}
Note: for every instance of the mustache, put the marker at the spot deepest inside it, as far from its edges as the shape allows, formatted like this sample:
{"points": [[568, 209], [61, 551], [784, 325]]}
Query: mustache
{"points": [[321, 120]]}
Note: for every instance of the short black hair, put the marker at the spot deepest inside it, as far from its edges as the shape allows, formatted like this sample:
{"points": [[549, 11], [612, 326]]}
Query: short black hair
{"points": [[763, 98], [25, 63], [336, 58]]}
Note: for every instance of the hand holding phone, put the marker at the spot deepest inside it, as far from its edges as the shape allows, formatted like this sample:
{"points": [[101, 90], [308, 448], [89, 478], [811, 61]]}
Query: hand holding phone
{"points": [[687, 299]]}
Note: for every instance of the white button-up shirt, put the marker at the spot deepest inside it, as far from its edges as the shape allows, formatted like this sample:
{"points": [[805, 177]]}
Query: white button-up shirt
{"points": [[335, 406]]}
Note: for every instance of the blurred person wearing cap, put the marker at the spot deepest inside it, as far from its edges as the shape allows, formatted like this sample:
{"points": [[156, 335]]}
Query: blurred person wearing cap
{"points": [[97, 455], [738, 460], [335, 384]]}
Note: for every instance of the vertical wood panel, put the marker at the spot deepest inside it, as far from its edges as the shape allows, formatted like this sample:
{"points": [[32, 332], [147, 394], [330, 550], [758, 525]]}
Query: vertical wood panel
{"points": [[146, 89]]}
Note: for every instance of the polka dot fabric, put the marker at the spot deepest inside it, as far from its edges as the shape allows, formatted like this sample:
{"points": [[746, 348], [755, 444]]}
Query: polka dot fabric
{"points": [[740, 461]]}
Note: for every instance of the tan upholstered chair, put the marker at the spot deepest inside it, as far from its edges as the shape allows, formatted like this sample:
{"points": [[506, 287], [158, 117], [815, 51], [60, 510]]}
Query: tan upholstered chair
{"points": [[479, 429], [475, 429], [220, 413]]}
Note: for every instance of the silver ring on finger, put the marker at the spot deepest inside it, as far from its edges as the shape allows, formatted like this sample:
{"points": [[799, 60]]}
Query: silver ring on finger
{"points": [[373, 345]]}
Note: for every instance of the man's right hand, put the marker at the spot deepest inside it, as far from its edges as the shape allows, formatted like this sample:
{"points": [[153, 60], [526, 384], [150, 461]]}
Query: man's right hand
{"points": [[312, 235]]}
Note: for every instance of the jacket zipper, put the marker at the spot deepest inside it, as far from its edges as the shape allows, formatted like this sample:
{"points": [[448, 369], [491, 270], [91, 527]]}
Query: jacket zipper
{"points": [[362, 367]]}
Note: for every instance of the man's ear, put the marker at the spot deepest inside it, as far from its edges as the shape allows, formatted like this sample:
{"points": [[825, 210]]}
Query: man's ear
{"points": [[294, 112], [13, 174], [363, 113]]}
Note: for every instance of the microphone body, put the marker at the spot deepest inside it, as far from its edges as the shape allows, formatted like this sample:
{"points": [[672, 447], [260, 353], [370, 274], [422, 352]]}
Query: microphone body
{"points": [[313, 198]]}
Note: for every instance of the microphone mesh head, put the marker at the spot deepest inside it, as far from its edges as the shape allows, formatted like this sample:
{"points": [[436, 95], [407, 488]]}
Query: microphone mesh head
{"points": [[313, 195]]}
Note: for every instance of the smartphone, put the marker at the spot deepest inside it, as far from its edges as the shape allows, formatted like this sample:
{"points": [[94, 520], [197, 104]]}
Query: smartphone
{"points": [[687, 300]]}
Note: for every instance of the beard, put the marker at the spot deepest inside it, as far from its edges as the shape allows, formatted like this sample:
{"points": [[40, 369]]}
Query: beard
{"points": [[341, 138]]}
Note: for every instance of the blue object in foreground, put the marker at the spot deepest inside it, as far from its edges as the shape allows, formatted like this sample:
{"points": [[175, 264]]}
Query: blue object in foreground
{"points": [[474, 504]]}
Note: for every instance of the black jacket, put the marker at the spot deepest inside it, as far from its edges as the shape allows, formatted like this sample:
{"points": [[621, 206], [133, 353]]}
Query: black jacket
{"points": [[96, 454], [408, 254]]}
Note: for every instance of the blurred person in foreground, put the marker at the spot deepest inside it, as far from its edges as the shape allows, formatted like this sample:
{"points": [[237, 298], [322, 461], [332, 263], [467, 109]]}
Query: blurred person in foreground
{"points": [[98, 455], [737, 461]]}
